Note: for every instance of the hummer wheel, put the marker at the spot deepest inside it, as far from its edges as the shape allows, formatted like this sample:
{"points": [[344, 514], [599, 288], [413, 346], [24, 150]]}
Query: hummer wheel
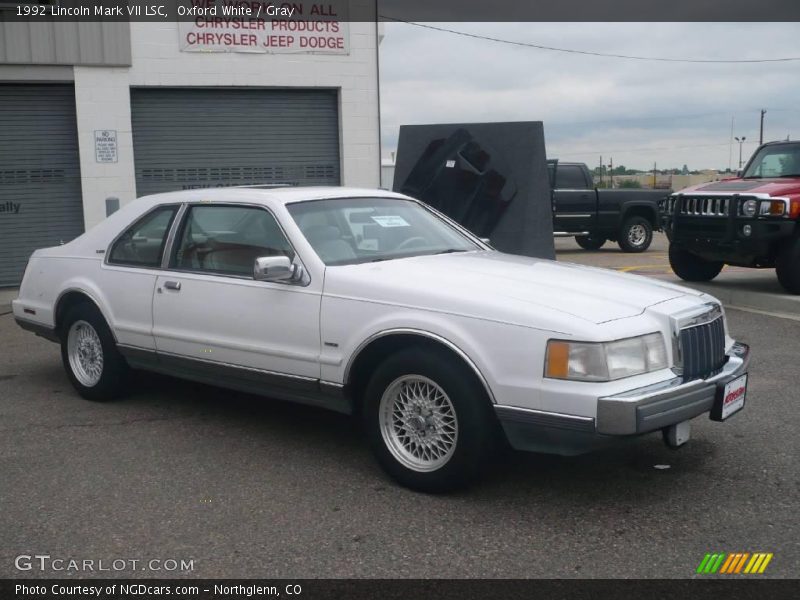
{"points": [[691, 267]]}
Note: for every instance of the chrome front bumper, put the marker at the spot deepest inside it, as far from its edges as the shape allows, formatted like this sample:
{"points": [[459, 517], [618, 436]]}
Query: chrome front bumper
{"points": [[660, 405]]}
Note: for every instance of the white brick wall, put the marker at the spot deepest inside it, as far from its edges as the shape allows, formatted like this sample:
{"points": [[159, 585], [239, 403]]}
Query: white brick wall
{"points": [[103, 100]]}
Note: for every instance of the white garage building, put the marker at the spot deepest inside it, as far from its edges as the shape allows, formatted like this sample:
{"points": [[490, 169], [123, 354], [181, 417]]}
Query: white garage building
{"points": [[93, 112]]}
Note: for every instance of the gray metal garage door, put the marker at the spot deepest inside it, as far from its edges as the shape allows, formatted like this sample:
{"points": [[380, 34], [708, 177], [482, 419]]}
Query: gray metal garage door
{"points": [[196, 138], [40, 178]]}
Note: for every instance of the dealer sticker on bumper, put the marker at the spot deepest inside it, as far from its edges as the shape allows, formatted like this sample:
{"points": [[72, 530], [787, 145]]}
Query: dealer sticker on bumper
{"points": [[730, 398]]}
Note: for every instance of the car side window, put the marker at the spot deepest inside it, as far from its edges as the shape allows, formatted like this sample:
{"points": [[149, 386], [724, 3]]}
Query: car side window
{"points": [[570, 177], [142, 244], [228, 240]]}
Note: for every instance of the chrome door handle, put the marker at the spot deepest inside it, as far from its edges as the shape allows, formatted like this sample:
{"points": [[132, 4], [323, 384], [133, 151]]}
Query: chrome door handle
{"points": [[173, 285]]}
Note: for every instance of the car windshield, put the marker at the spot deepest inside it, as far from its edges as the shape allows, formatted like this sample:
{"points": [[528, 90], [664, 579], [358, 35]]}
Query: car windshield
{"points": [[781, 160], [345, 231]]}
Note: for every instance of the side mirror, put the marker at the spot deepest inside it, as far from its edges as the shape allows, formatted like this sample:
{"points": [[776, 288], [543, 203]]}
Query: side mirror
{"points": [[276, 268]]}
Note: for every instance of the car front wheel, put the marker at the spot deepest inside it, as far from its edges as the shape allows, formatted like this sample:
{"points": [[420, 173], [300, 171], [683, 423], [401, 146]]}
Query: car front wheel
{"points": [[94, 366], [429, 422], [691, 267], [636, 235]]}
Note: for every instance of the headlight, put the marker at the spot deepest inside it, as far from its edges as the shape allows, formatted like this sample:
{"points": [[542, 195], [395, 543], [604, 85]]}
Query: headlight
{"points": [[749, 208], [605, 361]]}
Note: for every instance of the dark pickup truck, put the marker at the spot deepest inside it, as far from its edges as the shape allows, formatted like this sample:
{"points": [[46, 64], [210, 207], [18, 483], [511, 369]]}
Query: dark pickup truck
{"points": [[593, 216]]}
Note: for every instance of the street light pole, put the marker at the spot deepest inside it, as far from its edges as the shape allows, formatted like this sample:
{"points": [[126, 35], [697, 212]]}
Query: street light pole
{"points": [[741, 141]]}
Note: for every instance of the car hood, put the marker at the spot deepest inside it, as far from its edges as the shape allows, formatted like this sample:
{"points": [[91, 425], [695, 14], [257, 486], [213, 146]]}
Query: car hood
{"points": [[499, 286], [773, 187]]}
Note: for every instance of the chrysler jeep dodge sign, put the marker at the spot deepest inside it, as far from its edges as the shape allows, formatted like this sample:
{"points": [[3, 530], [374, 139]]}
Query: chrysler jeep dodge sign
{"points": [[261, 26]]}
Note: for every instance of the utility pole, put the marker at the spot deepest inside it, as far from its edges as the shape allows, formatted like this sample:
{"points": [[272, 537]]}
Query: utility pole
{"points": [[761, 135], [601, 171], [611, 173]]}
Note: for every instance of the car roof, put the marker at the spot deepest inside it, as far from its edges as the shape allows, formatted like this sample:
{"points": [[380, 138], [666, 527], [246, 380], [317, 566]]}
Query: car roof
{"points": [[269, 195]]}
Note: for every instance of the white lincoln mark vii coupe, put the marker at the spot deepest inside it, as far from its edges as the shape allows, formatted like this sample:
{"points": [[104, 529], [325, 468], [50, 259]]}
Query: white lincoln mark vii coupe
{"points": [[369, 302]]}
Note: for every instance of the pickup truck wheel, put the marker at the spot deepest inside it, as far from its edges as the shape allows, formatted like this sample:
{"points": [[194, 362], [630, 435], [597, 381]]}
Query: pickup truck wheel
{"points": [[590, 242], [636, 235], [691, 267], [94, 366], [429, 423], [787, 267]]}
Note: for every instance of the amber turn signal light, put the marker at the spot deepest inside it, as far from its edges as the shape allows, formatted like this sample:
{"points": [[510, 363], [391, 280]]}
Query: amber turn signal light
{"points": [[557, 359]]}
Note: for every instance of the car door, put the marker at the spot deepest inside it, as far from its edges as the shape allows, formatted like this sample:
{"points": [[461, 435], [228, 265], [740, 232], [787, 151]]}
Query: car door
{"points": [[211, 317], [130, 270], [575, 200]]}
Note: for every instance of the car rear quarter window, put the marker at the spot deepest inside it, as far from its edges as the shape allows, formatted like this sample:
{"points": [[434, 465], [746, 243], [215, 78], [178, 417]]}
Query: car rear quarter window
{"points": [[570, 177], [142, 244], [228, 239]]}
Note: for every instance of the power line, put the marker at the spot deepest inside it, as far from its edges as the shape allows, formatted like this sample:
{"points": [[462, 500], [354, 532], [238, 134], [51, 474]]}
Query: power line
{"points": [[588, 52]]}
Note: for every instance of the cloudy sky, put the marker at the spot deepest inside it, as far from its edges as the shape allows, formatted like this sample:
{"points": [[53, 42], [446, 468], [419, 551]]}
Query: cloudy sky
{"points": [[638, 112]]}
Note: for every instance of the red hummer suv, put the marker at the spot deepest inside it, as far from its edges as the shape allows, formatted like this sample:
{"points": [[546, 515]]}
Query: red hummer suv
{"points": [[750, 221]]}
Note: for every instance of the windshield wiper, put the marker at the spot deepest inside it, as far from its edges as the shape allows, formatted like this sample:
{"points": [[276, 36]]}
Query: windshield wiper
{"points": [[451, 250]]}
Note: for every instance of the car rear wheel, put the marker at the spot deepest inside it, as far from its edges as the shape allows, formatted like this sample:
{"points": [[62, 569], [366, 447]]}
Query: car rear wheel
{"points": [[94, 366], [636, 235], [691, 267], [787, 267], [590, 242], [429, 422]]}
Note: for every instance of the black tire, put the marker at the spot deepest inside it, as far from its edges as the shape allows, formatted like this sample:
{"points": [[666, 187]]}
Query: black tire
{"points": [[636, 235], [477, 430], [590, 242], [691, 267], [787, 267], [114, 371]]}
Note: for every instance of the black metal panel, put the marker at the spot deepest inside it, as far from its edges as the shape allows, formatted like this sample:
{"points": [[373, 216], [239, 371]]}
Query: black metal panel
{"points": [[492, 178]]}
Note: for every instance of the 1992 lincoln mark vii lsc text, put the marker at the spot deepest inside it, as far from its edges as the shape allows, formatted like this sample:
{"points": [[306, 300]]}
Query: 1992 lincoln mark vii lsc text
{"points": [[369, 302]]}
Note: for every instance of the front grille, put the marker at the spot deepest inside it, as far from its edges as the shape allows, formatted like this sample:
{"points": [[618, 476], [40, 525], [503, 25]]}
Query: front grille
{"points": [[711, 206], [703, 349]]}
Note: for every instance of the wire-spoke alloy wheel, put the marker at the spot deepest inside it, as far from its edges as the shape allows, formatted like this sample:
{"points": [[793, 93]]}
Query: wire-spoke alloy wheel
{"points": [[428, 419], [85, 353], [89, 352], [418, 423]]}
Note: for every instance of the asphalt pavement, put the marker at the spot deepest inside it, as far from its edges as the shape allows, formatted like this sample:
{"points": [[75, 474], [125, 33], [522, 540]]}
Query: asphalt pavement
{"points": [[243, 486]]}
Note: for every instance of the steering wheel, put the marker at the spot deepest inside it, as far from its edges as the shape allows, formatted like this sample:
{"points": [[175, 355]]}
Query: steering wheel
{"points": [[417, 240]]}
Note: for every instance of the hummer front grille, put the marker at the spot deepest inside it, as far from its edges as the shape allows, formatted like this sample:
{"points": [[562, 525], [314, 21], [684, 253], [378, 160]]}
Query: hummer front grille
{"points": [[700, 206]]}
